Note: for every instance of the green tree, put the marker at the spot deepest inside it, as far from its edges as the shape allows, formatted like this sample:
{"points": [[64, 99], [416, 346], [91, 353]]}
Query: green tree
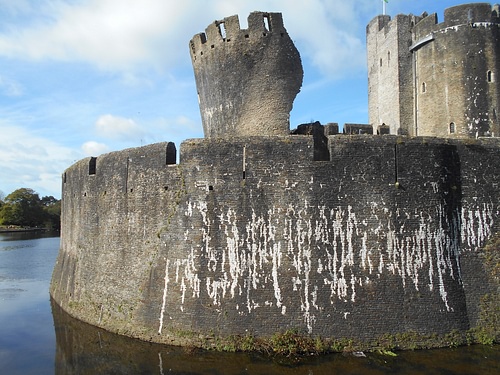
{"points": [[52, 210], [22, 207]]}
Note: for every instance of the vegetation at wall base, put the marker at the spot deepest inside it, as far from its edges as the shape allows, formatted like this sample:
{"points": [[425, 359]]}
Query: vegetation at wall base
{"points": [[294, 345]]}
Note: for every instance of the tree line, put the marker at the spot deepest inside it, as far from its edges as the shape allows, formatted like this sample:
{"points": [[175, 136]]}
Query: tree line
{"points": [[24, 207]]}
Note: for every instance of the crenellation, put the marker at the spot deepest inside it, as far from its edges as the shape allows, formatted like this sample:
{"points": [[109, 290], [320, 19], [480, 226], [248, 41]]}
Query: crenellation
{"points": [[260, 24], [377, 24]]}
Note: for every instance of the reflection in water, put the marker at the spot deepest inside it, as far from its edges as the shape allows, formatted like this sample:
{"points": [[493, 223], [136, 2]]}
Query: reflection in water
{"points": [[27, 340], [27, 343], [28, 235], [84, 349]]}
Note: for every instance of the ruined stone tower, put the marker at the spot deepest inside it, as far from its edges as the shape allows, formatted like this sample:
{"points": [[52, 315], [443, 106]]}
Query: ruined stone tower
{"points": [[246, 79], [436, 79]]}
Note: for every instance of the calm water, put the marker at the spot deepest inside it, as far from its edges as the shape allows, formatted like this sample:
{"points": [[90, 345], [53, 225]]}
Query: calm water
{"points": [[37, 338]]}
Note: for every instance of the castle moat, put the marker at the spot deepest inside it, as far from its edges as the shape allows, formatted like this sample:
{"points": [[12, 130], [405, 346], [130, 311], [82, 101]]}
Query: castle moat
{"points": [[37, 338]]}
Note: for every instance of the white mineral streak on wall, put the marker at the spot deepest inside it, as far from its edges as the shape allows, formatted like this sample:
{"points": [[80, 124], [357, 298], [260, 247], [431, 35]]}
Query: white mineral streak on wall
{"points": [[476, 225], [304, 249], [165, 288]]}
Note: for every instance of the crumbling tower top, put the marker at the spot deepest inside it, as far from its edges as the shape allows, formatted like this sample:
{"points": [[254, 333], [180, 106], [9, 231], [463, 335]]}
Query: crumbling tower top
{"points": [[246, 79]]}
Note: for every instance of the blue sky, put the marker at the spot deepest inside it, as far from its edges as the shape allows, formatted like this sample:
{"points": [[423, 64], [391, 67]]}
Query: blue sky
{"points": [[83, 77]]}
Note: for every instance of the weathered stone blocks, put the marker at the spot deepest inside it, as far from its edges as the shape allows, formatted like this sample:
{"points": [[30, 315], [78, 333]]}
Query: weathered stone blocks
{"points": [[246, 79]]}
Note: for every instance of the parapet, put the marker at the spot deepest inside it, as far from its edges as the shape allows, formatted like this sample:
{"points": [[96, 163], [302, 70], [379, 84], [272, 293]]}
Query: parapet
{"points": [[246, 79], [468, 13], [460, 15], [377, 23]]}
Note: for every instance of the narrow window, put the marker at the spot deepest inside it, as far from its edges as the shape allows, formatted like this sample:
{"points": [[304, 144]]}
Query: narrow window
{"points": [[380, 62], [452, 127], [170, 154], [92, 165], [388, 57], [424, 87], [267, 25], [490, 76], [64, 177]]}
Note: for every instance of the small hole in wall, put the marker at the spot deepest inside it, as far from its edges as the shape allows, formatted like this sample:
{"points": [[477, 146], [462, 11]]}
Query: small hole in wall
{"points": [[210, 187], [165, 188], [264, 34], [222, 30], [131, 190], [84, 194], [247, 36], [212, 46]]}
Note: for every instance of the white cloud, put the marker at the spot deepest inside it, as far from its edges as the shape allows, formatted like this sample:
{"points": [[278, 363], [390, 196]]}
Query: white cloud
{"points": [[119, 128], [92, 148], [112, 34], [123, 35], [29, 160]]}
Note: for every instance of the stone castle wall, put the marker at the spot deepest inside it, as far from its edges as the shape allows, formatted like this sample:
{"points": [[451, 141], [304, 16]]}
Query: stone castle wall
{"points": [[256, 231], [382, 237]]}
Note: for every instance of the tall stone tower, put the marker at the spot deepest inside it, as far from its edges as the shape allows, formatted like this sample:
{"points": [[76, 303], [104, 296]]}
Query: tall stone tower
{"points": [[246, 79], [436, 79], [390, 75]]}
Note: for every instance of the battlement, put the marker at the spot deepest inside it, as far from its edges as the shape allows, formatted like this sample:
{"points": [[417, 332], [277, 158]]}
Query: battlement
{"points": [[470, 15], [260, 25], [384, 23]]}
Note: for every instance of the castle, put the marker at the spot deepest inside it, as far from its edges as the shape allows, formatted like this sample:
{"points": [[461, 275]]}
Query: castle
{"points": [[436, 79], [257, 231]]}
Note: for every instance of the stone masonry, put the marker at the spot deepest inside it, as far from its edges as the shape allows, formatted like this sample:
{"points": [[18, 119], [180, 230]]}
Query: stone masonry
{"points": [[246, 79]]}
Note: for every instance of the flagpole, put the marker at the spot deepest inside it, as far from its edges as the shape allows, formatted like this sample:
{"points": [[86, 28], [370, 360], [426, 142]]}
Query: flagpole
{"points": [[383, 7]]}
